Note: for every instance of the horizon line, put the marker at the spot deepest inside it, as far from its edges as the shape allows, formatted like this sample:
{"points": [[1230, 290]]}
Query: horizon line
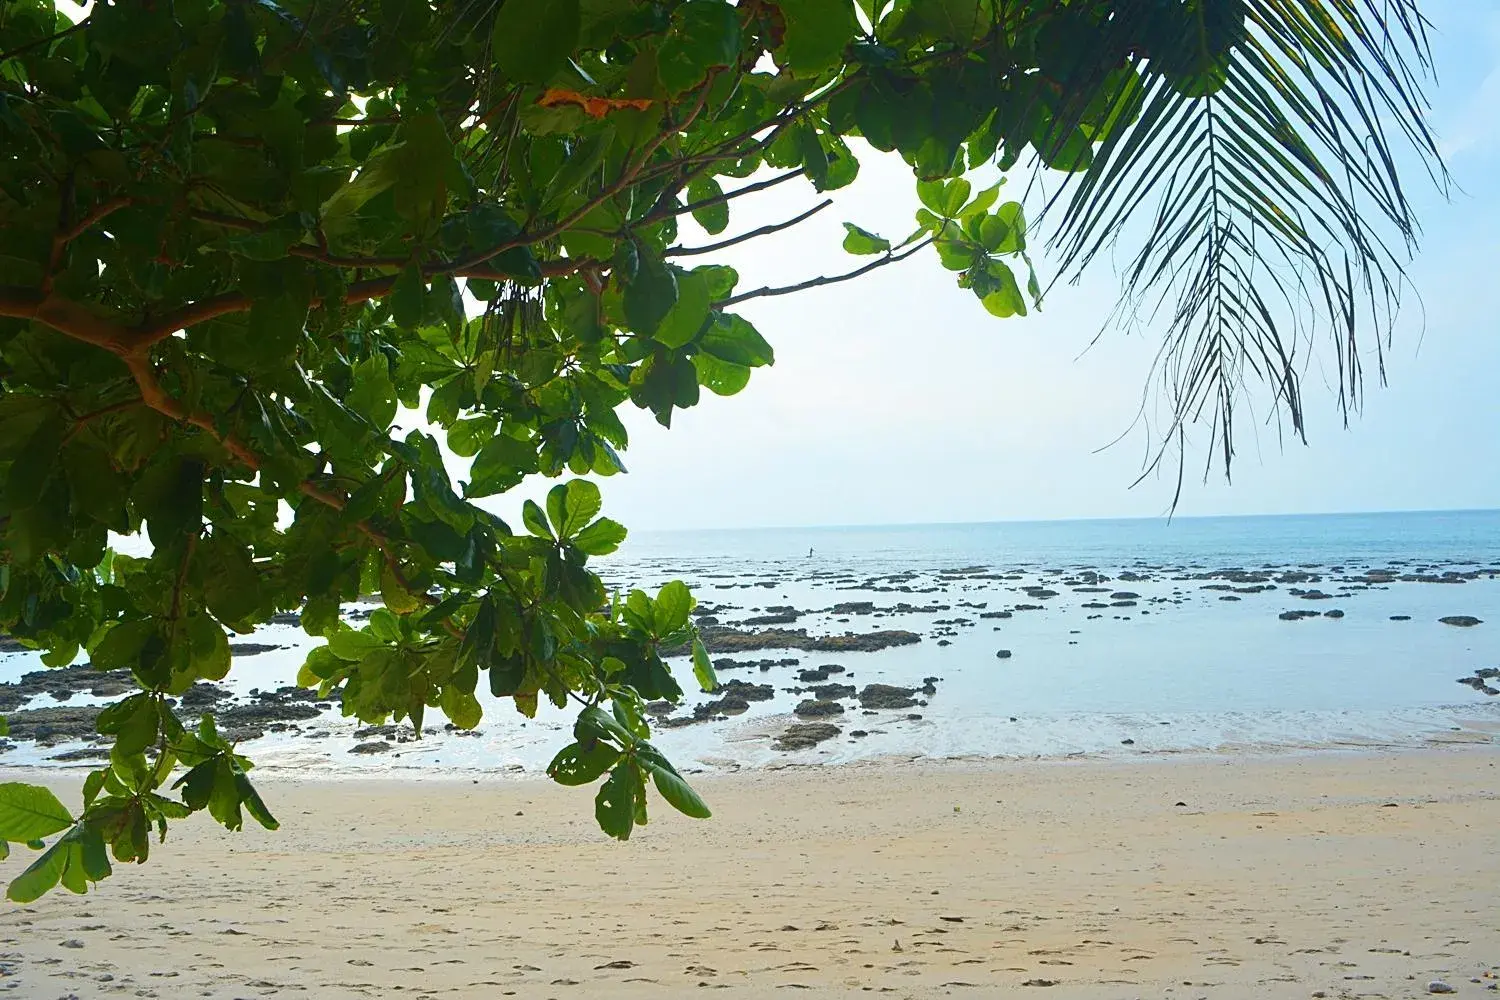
{"points": [[1065, 520]]}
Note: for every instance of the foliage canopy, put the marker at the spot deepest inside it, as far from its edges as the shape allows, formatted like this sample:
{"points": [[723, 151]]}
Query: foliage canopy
{"points": [[241, 234]]}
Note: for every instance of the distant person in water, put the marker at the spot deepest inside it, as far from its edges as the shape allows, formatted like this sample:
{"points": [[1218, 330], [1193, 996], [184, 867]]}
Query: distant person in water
{"points": [[809, 552]]}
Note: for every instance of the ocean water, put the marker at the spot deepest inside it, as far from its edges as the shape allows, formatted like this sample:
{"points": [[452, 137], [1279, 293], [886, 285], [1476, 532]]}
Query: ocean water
{"points": [[1146, 637]]}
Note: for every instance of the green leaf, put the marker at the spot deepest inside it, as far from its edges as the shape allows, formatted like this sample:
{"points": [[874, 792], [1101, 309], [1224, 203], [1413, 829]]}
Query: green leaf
{"points": [[862, 241], [933, 194], [722, 378], [461, 707], [43, 874], [955, 197], [1006, 300], [572, 505], [252, 802], [600, 538], [731, 338], [705, 35], [408, 296], [677, 792], [532, 39], [817, 32], [688, 314], [614, 806], [673, 604], [703, 667], [535, 520], [713, 218], [348, 644], [373, 395], [650, 294], [30, 812], [582, 764]]}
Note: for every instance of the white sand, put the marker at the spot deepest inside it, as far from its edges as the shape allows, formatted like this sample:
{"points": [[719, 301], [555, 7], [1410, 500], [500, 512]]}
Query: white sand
{"points": [[1280, 877]]}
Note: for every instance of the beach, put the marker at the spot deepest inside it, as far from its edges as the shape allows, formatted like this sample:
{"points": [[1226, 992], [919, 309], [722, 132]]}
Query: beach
{"points": [[1287, 875]]}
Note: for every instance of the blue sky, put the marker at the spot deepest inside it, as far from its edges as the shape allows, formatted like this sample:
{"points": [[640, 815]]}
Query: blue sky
{"points": [[897, 399]]}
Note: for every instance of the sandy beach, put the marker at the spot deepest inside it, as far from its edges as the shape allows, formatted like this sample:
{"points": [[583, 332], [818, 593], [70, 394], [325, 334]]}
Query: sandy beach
{"points": [[1336, 875]]}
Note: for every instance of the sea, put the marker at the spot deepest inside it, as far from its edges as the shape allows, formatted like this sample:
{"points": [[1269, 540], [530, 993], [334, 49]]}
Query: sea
{"points": [[1047, 639]]}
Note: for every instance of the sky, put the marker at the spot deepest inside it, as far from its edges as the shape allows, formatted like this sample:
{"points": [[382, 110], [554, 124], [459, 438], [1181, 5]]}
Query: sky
{"points": [[897, 399]]}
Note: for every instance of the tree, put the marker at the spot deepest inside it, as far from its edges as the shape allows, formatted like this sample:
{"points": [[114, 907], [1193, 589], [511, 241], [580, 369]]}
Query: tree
{"points": [[240, 234]]}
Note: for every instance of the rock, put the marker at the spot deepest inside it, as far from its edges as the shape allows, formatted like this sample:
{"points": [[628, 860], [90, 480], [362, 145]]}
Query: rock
{"points": [[83, 753], [1461, 621], [1335, 613], [877, 696], [64, 682], [1487, 672], [1124, 595], [1400, 618], [1292, 616], [810, 709], [858, 733], [1438, 986], [1002, 654], [1127, 742], [831, 692], [853, 608], [822, 673], [252, 648], [805, 735], [49, 726], [996, 614], [204, 694], [780, 618], [375, 746], [719, 639], [944, 642], [758, 692]]}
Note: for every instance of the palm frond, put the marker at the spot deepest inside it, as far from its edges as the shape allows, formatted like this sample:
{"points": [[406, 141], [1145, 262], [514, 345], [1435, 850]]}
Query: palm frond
{"points": [[1263, 161]]}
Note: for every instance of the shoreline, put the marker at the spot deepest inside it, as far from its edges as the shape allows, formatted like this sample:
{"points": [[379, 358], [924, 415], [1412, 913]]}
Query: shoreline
{"points": [[1351, 874]]}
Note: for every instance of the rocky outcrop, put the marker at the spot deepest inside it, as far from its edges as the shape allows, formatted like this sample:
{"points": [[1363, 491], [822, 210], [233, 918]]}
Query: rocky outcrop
{"points": [[805, 735], [886, 696], [1461, 621], [720, 639], [820, 709]]}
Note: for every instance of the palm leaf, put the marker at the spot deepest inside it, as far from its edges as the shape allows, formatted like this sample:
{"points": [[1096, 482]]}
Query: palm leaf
{"points": [[1259, 157]]}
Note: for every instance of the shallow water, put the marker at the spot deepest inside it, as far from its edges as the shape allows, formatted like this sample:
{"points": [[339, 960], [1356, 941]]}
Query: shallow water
{"points": [[1179, 670]]}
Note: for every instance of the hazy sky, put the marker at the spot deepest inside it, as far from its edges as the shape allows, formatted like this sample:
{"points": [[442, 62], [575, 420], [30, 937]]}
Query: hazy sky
{"points": [[896, 398]]}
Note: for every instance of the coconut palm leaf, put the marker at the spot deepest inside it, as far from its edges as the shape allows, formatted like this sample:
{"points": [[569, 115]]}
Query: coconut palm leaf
{"points": [[1254, 168]]}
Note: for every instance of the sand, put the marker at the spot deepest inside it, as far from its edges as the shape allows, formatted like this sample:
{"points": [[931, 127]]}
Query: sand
{"points": [[1319, 875]]}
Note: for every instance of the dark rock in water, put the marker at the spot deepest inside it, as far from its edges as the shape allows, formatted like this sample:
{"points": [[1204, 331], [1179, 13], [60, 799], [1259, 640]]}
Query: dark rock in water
{"points": [[1030, 607], [944, 642], [914, 717], [660, 709], [858, 733], [204, 694], [1124, 595], [1400, 618], [84, 753], [726, 663], [805, 735], [1040, 593], [376, 746], [1462, 621], [853, 608], [829, 692], [730, 704], [1292, 616], [252, 648], [753, 692], [388, 732], [9, 645], [1002, 654], [1127, 742], [707, 620], [286, 618], [996, 614], [64, 682], [817, 709], [886, 696], [780, 618], [719, 639], [1335, 613], [1228, 597], [814, 674], [1094, 605], [1315, 595], [1122, 604], [49, 726], [1487, 672]]}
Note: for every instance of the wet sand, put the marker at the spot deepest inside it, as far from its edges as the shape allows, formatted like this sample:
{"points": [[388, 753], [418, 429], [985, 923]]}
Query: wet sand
{"points": [[1336, 875]]}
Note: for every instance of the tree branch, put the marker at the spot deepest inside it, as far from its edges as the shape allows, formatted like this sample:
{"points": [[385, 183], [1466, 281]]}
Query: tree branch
{"points": [[833, 279], [656, 215], [752, 234]]}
